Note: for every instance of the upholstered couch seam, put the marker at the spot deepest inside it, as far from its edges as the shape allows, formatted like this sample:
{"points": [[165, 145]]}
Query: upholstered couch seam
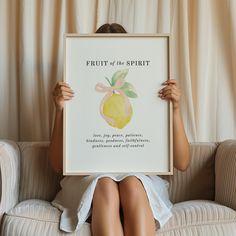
{"points": [[35, 219], [199, 224]]}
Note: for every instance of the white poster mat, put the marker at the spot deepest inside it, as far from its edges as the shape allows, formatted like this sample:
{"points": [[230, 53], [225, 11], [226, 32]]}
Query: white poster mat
{"points": [[91, 145]]}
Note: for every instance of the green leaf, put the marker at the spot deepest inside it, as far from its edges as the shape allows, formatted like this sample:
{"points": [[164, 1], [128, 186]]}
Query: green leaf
{"points": [[127, 86], [131, 94], [129, 90], [108, 80], [120, 74]]}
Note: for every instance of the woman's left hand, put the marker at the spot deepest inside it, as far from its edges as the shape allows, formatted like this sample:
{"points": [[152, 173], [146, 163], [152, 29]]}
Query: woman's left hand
{"points": [[171, 92]]}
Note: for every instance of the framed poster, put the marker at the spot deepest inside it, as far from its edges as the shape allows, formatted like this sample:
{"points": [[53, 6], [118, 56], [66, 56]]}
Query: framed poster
{"points": [[116, 123]]}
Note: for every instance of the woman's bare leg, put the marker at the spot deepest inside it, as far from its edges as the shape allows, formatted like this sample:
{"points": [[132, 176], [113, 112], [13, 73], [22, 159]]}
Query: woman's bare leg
{"points": [[106, 209], [138, 217]]}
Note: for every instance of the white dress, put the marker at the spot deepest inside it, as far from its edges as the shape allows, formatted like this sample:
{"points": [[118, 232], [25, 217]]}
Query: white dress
{"points": [[75, 198]]}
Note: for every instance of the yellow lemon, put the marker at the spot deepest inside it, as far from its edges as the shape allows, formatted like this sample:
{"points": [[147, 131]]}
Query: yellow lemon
{"points": [[118, 110]]}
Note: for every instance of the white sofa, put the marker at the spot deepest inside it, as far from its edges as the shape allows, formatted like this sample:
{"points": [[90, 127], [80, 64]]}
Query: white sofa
{"points": [[204, 195]]}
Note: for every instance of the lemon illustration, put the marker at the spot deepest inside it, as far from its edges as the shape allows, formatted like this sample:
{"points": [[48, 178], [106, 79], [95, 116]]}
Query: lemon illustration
{"points": [[115, 108]]}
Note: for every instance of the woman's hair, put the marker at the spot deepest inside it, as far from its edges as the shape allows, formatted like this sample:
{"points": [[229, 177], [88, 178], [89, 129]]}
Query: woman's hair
{"points": [[111, 28]]}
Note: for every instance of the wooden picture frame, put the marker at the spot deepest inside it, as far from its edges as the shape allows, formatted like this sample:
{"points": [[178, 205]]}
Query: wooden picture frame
{"points": [[116, 123]]}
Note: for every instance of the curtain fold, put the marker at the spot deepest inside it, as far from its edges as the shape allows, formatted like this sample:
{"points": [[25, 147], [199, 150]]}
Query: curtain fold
{"points": [[204, 51], [203, 58]]}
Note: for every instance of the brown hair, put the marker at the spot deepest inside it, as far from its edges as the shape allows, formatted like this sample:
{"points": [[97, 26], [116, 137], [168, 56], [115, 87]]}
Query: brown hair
{"points": [[111, 28]]}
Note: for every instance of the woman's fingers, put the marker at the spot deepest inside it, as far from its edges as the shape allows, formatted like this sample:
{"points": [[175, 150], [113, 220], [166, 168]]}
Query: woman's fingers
{"points": [[62, 83], [64, 93], [169, 88], [58, 92], [170, 92], [174, 97], [62, 87], [170, 81], [66, 89], [64, 97]]}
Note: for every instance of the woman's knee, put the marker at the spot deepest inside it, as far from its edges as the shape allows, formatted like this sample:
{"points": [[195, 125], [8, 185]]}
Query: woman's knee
{"points": [[131, 191], [106, 190]]}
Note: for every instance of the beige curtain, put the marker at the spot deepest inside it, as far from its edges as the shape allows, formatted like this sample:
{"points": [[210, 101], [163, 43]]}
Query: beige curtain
{"points": [[204, 53], [31, 58]]}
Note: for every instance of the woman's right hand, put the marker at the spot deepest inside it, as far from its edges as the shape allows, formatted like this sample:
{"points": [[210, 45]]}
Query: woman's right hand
{"points": [[61, 93]]}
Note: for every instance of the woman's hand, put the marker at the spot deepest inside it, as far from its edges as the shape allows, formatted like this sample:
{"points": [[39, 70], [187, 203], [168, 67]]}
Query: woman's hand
{"points": [[61, 93], [171, 92]]}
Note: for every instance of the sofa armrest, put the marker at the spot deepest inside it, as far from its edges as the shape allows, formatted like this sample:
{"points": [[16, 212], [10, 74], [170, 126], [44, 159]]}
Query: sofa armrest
{"points": [[10, 175], [225, 171]]}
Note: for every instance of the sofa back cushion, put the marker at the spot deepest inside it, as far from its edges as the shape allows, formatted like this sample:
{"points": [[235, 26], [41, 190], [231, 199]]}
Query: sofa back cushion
{"points": [[39, 181], [198, 181]]}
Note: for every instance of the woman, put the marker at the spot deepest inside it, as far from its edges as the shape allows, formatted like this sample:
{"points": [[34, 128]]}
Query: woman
{"points": [[141, 200]]}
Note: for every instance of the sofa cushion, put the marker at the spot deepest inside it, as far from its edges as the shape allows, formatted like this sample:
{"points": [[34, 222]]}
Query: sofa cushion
{"points": [[200, 217], [40, 218], [37, 218]]}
